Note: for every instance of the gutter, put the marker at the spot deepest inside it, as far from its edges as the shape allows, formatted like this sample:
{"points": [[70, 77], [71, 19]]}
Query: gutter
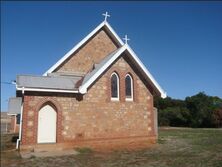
{"points": [[20, 126], [11, 114], [47, 90]]}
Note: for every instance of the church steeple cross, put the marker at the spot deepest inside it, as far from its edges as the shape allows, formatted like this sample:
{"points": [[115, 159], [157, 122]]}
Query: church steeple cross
{"points": [[106, 15], [126, 39]]}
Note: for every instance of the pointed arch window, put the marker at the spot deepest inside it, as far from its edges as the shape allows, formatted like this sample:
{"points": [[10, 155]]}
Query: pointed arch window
{"points": [[114, 86], [129, 88]]}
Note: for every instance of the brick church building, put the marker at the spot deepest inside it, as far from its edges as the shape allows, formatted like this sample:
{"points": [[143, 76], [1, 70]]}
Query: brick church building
{"points": [[97, 94]]}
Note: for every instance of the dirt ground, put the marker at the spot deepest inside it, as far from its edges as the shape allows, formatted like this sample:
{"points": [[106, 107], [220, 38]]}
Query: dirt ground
{"points": [[177, 147]]}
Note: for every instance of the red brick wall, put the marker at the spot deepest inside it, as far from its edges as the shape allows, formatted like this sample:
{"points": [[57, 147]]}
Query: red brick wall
{"points": [[92, 52], [95, 116], [30, 118]]}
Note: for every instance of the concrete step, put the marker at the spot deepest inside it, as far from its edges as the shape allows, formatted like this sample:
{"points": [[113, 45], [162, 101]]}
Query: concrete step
{"points": [[48, 147], [49, 153]]}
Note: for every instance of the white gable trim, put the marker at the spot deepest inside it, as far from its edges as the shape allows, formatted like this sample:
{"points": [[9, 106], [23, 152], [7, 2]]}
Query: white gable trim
{"points": [[83, 41], [83, 88], [163, 93], [46, 90], [114, 33]]}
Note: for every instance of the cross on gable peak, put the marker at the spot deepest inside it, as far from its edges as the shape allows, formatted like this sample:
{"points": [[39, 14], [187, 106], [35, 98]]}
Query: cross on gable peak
{"points": [[126, 39], [106, 15]]}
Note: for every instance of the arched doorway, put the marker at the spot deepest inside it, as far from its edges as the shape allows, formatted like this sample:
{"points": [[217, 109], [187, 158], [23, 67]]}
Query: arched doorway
{"points": [[47, 117]]}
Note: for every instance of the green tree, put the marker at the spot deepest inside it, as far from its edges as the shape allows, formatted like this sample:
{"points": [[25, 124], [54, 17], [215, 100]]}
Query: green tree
{"points": [[172, 112], [174, 116], [199, 111]]}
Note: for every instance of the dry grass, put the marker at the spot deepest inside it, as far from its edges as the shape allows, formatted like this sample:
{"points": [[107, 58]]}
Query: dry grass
{"points": [[8, 141], [175, 148]]}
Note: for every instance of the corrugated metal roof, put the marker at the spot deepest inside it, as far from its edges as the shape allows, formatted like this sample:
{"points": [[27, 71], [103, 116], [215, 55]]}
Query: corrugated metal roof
{"points": [[14, 105], [98, 66], [107, 61], [49, 82]]}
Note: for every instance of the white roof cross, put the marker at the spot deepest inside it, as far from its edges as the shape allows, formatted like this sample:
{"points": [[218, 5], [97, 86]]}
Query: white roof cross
{"points": [[106, 15], [126, 39]]}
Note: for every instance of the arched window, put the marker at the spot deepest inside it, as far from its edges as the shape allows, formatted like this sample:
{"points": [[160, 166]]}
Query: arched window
{"points": [[114, 87], [129, 87]]}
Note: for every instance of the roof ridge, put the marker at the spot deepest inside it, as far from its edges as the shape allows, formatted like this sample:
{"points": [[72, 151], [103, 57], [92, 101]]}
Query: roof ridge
{"points": [[101, 63], [83, 41], [91, 77]]}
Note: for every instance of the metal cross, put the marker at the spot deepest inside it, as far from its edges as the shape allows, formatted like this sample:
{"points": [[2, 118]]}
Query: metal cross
{"points": [[126, 39], [106, 15]]}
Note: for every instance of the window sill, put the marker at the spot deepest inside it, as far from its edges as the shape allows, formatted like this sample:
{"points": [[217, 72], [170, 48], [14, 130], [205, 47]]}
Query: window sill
{"points": [[114, 99], [129, 100]]}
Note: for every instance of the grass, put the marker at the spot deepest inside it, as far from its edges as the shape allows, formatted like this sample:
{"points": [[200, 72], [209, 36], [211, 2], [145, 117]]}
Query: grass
{"points": [[177, 147], [84, 150], [8, 141]]}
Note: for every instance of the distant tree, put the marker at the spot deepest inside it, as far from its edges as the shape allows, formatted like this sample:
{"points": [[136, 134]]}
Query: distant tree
{"points": [[174, 116], [199, 110], [172, 112], [161, 103]]}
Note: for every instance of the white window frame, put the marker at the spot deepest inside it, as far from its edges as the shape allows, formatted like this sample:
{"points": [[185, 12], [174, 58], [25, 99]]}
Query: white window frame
{"points": [[131, 81], [114, 98]]}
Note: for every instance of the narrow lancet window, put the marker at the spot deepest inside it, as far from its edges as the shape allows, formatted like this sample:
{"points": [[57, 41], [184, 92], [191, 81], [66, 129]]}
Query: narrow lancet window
{"points": [[129, 87], [114, 87]]}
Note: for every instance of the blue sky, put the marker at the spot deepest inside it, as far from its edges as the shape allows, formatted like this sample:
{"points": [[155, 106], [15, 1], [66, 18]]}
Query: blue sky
{"points": [[179, 42]]}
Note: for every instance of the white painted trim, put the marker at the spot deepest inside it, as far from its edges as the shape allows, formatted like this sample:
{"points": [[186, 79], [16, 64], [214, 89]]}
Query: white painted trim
{"points": [[129, 99], [114, 99], [132, 88], [83, 88], [20, 127], [47, 90], [83, 41], [114, 33], [163, 94], [11, 114], [118, 92]]}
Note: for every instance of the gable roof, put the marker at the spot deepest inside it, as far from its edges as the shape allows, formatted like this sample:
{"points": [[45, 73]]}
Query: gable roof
{"points": [[89, 75], [77, 84], [48, 83], [104, 24], [100, 68]]}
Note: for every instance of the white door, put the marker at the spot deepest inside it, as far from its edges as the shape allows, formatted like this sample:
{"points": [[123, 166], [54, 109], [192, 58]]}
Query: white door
{"points": [[47, 125]]}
